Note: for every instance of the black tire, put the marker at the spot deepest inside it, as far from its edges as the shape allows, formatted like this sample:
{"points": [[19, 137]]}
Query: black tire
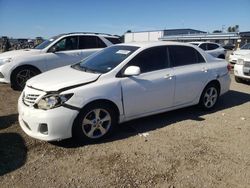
{"points": [[20, 75], [237, 79], [82, 131], [208, 100]]}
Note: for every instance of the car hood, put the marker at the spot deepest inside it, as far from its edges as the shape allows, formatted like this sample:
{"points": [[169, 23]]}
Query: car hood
{"points": [[18, 53], [61, 79], [246, 57], [242, 52]]}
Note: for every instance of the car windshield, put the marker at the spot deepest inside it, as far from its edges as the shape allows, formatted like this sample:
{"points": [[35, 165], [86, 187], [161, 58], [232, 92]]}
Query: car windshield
{"points": [[246, 46], [105, 60], [46, 43]]}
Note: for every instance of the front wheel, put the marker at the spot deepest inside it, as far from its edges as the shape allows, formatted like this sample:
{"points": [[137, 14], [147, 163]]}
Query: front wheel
{"points": [[94, 123], [209, 97], [20, 76]]}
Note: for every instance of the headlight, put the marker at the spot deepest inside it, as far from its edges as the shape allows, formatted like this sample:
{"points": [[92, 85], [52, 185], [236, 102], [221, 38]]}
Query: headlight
{"points": [[6, 60], [52, 101], [240, 62]]}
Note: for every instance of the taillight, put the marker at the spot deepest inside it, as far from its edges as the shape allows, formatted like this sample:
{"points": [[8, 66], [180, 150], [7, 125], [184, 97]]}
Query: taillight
{"points": [[229, 68]]}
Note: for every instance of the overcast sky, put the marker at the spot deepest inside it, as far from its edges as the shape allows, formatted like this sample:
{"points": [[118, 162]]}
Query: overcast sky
{"points": [[32, 18]]}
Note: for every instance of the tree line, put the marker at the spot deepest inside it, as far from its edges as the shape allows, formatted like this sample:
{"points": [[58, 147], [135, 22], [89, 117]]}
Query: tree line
{"points": [[235, 28]]}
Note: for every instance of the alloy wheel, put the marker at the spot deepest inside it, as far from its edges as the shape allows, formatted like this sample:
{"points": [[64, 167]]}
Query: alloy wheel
{"points": [[210, 97], [96, 123], [23, 75]]}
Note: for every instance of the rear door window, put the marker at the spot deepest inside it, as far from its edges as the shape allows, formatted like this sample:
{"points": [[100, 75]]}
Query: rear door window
{"points": [[89, 42], [184, 55]]}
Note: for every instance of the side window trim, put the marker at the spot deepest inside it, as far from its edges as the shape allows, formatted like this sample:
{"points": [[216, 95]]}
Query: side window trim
{"points": [[77, 45], [169, 64], [99, 42], [201, 55]]}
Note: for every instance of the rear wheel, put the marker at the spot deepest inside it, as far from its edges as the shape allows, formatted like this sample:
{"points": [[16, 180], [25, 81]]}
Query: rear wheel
{"points": [[94, 123], [237, 79], [209, 97], [21, 75]]}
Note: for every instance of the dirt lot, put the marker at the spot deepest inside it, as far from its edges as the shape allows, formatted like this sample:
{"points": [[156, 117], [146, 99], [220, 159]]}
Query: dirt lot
{"points": [[184, 148]]}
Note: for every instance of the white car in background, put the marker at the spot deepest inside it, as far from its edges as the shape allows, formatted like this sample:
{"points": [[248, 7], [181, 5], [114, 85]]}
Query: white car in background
{"points": [[211, 48], [242, 69], [17, 66], [234, 56], [120, 83]]}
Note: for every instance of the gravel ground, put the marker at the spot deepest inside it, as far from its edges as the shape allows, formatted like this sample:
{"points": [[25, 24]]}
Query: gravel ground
{"points": [[183, 148]]}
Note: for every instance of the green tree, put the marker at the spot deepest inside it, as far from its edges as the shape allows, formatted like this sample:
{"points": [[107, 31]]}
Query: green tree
{"points": [[233, 28], [217, 31]]}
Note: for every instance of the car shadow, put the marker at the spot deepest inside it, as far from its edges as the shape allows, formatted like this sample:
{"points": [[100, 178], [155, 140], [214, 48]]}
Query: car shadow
{"points": [[13, 152], [134, 127], [7, 121]]}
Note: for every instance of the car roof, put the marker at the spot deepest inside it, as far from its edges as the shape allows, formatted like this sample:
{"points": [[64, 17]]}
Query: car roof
{"points": [[89, 34], [200, 42], [153, 44]]}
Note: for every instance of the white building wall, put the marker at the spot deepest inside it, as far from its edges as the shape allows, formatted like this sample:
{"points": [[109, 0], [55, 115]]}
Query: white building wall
{"points": [[143, 36], [155, 35], [128, 37]]}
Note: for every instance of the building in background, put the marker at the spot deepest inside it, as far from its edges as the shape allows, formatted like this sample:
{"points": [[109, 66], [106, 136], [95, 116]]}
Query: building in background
{"points": [[187, 35], [143, 36]]}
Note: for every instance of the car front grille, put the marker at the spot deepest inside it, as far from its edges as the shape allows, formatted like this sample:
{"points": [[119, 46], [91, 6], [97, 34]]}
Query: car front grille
{"points": [[247, 64], [29, 99], [30, 96]]}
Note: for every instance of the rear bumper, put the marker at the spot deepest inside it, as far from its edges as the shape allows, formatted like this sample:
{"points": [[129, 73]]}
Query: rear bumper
{"points": [[225, 82]]}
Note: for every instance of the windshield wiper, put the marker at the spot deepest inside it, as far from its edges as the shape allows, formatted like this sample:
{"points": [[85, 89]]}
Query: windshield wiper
{"points": [[85, 69]]}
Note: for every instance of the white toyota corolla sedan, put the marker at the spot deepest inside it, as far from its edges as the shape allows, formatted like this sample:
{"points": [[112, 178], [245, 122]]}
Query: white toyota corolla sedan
{"points": [[120, 83]]}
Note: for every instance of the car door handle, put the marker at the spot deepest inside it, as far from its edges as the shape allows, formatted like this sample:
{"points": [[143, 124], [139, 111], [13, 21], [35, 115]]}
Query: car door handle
{"points": [[204, 69], [168, 76]]}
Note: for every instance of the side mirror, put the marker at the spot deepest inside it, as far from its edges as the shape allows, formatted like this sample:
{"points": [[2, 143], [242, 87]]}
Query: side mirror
{"points": [[53, 49], [132, 71]]}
